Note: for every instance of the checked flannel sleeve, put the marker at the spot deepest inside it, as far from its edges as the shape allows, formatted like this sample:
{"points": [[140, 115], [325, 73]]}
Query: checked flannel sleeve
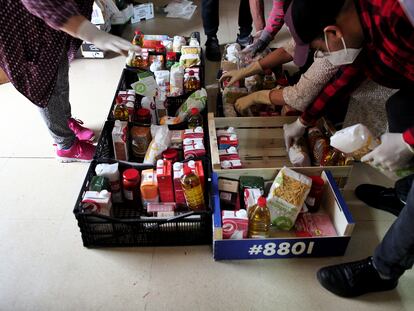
{"points": [[341, 85]]}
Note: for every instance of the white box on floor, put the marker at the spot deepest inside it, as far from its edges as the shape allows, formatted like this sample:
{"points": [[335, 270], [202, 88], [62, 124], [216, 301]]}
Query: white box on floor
{"points": [[143, 11]]}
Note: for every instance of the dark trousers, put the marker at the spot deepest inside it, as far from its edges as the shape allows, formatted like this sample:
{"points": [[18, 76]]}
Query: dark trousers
{"points": [[210, 15], [395, 253]]}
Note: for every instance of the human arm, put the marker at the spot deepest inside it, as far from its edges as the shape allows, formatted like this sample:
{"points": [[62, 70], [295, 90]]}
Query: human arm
{"points": [[273, 25], [274, 59], [65, 16]]}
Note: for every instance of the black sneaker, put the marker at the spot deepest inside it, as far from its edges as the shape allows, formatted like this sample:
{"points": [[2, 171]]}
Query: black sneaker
{"points": [[382, 198], [244, 41], [354, 279], [213, 49]]}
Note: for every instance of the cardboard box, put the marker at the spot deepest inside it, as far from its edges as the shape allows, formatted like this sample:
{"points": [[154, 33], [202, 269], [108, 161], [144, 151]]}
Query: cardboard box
{"points": [[143, 11], [287, 245]]}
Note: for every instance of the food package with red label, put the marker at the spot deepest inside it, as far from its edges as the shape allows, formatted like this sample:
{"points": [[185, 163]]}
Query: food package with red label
{"points": [[231, 164], [178, 172], [97, 202], [165, 181], [226, 142], [193, 147], [314, 225], [197, 168], [119, 139], [194, 133], [235, 224]]}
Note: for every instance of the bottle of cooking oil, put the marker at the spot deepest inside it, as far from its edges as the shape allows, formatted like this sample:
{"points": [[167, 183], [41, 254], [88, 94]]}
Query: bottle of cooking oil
{"points": [[195, 119], [259, 220], [193, 191]]}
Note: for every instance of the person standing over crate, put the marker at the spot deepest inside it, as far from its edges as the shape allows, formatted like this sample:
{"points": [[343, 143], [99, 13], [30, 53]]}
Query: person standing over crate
{"points": [[38, 38], [210, 16], [385, 30]]}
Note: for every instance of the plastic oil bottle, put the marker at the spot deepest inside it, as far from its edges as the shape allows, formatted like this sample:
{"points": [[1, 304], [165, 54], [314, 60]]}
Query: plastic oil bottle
{"points": [[195, 119], [193, 191], [259, 220]]}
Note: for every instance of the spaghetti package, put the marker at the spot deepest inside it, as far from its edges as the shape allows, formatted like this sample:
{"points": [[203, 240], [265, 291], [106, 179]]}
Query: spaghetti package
{"points": [[286, 197]]}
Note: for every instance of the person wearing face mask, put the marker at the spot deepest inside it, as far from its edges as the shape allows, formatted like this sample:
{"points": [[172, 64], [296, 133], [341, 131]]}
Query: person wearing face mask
{"points": [[384, 31]]}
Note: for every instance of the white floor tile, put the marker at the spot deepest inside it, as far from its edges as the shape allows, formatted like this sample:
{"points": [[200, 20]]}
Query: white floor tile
{"points": [[45, 267], [39, 189]]}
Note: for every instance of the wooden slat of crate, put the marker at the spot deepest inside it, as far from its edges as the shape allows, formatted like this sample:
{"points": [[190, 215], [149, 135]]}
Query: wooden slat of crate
{"points": [[262, 148]]}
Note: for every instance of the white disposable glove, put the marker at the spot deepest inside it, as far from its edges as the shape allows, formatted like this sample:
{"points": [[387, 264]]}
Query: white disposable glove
{"points": [[90, 33], [392, 154], [245, 102], [236, 75], [292, 132]]}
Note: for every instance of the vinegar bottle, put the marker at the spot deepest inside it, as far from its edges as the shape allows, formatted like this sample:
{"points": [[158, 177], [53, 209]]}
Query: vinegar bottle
{"points": [[259, 220], [193, 191]]}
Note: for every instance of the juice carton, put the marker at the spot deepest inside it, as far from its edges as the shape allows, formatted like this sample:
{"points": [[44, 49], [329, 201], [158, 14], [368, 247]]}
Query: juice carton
{"points": [[235, 224], [165, 181], [120, 138], [97, 202], [178, 172], [149, 187]]}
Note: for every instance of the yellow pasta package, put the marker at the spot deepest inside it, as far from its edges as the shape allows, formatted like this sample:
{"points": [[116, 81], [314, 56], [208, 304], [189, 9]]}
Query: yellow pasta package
{"points": [[286, 197]]}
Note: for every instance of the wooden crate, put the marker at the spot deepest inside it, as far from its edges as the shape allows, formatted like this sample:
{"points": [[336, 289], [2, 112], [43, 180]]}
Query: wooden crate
{"points": [[262, 148]]}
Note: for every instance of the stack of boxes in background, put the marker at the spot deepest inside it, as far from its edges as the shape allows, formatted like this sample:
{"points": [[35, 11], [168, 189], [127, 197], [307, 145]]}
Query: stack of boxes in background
{"points": [[228, 144]]}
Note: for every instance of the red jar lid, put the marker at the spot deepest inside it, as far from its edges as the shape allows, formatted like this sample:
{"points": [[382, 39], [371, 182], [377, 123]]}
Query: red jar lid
{"points": [[131, 174], [317, 181], [170, 154], [143, 113]]}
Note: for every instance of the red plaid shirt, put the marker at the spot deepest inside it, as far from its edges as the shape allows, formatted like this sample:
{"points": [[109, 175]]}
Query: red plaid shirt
{"points": [[388, 57]]}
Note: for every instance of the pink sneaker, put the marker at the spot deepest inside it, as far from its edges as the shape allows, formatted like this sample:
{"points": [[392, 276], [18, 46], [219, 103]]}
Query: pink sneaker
{"points": [[82, 133], [80, 151]]}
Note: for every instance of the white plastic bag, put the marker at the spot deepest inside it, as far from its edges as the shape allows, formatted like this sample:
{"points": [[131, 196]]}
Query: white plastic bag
{"points": [[160, 142]]}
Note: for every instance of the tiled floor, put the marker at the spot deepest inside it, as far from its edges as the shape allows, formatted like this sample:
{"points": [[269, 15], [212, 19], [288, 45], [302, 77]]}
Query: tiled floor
{"points": [[43, 265]]}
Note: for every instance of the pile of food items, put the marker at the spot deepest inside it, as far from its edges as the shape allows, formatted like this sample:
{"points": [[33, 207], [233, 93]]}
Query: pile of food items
{"points": [[235, 58], [228, 145], [314, 148], [175, 62], [291, 208]]}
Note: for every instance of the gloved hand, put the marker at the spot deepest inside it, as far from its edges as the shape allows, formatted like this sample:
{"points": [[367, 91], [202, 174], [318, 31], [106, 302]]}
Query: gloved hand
{"points": [[236, 75], [292, 132], [258, 47], [393, 153], [244, 103], [104, 41]]}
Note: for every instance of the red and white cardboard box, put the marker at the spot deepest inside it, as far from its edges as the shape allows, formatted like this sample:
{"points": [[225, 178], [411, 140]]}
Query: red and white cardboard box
{"points": [[193, 147], [235, 224], [165, 181]]}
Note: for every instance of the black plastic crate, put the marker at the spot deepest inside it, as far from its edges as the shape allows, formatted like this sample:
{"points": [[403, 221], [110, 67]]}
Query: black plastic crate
{"points": [[126, 228]]}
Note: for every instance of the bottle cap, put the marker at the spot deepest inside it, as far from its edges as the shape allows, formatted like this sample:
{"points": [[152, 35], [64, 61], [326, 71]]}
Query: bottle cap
{"points": [[195, 111], [187, 170], [118, 100], [262, 201], [143, 112], [131, 174], [138, 32], [170, 154], [191, 72]]}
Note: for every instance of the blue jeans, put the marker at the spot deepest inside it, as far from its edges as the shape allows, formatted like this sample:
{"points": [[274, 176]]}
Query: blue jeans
{"points": [[395, 254], [210, 15]]}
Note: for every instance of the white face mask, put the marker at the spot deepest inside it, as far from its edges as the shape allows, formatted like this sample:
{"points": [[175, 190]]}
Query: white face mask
{"points": [[341, 57]]}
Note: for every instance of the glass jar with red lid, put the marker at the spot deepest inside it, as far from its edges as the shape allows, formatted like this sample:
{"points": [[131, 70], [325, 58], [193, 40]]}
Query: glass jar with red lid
{"points": [[130, 181], [143, 116], [171, 155]]}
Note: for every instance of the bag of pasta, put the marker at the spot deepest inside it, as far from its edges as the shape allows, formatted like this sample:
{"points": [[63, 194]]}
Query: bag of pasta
{"points": [[286, 197]]}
